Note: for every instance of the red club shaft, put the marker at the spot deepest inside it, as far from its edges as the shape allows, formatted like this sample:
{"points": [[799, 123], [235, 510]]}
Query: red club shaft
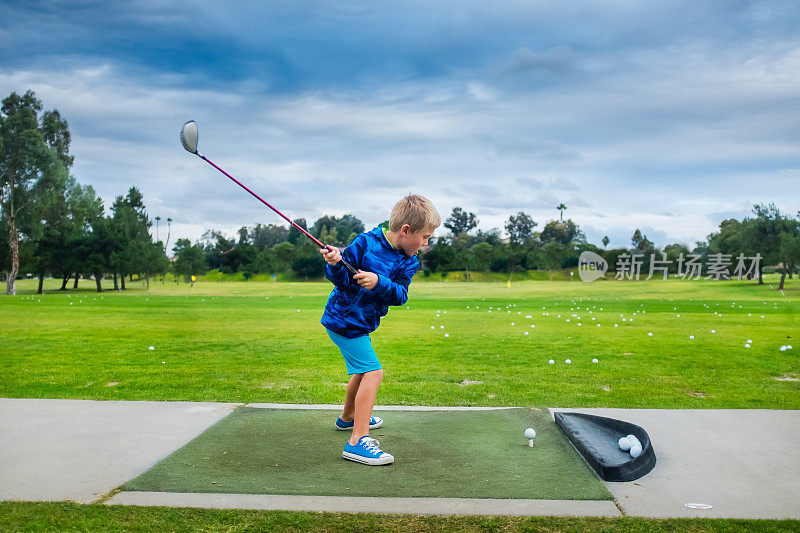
{"points": [[243, 186]]}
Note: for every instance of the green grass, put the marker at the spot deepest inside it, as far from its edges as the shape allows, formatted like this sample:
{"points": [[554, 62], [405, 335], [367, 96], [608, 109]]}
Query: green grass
{"points": [[65, 516], [439, 455], [262, 342]]}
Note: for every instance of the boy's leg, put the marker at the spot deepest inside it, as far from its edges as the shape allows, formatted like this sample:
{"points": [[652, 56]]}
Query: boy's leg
{"points": [[350, 399], [365, 401]]}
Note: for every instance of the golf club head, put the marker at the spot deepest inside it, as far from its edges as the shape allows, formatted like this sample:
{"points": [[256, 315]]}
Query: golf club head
{"points": [[189, 136]]}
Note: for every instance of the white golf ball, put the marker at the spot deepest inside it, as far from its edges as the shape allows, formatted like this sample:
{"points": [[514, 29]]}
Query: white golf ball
{"points": [[783, 348], [594, 360], [433, 327], [788, 346], [713, 331], [152, 348], [624, 444], [636, 450], [568, 361], [746, 345], [749, 341], [530, 433], [446, 334], [633, 440], [551, 362], [691, 337], [527, 333], [649, 334]]}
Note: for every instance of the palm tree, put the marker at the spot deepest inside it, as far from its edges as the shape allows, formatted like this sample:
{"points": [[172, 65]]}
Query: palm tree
{"points": [[561, 208], [158, 219], [169, 228]]}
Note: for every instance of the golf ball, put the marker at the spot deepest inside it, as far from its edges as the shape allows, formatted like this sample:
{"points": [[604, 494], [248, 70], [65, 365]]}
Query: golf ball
{"points": [[530, 433], [594, 360], [446, 334], [713, 331], [746, 345], [624, 444], [783, 348], [691, 337], [568, 361], [788, 346], [649, 334], [551, 362], [636, 450], [152, 348]]}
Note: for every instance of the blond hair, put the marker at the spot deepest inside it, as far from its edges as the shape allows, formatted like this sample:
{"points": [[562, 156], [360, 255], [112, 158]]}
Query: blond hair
{"points": [[416, 211]]}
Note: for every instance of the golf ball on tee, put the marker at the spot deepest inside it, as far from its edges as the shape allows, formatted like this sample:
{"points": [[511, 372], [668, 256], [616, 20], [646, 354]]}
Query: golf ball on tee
{"points": [[530, 433]]}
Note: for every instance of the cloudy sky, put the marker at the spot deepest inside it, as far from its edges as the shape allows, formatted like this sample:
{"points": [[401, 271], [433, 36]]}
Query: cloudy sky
{"points": [[664, 116]]}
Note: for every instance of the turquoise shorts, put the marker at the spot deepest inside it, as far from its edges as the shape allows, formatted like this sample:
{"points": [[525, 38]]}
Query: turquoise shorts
{"points": [[358, 353]]}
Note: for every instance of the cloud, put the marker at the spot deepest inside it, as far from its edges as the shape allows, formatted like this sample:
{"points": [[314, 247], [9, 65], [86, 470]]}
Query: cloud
{"points": [[633, 115]]}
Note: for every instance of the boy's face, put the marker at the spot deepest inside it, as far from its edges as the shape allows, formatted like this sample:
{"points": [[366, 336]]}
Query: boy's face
{"points": [[412, 242]]}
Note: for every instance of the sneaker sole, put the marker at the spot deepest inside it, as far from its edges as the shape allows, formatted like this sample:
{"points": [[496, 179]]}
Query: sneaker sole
{"points": [[372, 426], [385, 460]]}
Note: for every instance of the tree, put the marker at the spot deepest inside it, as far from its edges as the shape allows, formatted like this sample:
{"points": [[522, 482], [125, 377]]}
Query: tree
{"points": [[561, 208], [606, 240], [31, 149], [562, 233], [789, 251], [460, 221], [520, 228], [268, 236], [294, 234], [190, 260], [762, 234]]}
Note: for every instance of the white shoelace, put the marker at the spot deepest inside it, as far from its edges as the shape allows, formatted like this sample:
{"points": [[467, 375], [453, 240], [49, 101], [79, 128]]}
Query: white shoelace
{"points": [[372, 445]]}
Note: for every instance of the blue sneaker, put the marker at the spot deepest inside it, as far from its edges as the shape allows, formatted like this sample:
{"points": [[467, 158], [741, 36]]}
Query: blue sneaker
{"points": [[374, 423], [367, 452]]}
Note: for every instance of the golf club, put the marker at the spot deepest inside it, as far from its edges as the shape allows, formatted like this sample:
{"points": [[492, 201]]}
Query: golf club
{"points": [[189, 142]]}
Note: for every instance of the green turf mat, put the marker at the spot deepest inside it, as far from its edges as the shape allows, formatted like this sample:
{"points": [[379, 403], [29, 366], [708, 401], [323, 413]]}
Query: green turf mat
{"points": [[466, 454]]}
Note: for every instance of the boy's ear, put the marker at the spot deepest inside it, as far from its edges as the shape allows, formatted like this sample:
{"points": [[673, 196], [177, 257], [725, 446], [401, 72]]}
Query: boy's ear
{"points": [[405, 229]]}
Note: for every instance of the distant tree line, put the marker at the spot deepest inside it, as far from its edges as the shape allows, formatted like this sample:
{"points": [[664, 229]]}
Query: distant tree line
{"points": [[57, 227]]}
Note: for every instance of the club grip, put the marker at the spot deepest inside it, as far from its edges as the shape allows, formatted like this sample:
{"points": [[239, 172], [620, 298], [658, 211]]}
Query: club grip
{"points": [[350, 268]]}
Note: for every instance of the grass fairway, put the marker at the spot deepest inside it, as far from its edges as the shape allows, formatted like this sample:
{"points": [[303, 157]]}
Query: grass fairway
{"points": [[262, 342], [439, 455]]}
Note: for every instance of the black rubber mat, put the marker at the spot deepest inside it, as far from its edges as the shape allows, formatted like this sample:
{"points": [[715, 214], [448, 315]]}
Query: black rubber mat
{"points": [[597, 440]]}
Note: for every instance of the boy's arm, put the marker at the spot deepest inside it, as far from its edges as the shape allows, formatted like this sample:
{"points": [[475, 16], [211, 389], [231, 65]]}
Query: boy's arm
{"points": [[353, 254], [395, 292]]}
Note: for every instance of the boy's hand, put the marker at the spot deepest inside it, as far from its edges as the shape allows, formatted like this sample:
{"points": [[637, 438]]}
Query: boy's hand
{"points": [[368, 280], [332, 255]]}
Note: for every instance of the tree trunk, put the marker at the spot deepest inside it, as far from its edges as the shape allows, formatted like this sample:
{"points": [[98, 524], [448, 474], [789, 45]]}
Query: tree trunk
{"points": [[122, 280], [760, 276], [97, 277], [77, 277], [41, 283], [64, 282], [783, 276], [147, 282], [13, 242], [116, 286]]}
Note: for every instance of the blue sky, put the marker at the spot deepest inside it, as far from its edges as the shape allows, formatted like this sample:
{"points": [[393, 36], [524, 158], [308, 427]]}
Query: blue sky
{"points": [[663, 116]]}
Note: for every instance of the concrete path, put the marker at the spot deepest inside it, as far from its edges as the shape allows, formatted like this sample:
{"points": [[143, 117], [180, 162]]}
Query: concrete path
{"points": [[80, 450]]}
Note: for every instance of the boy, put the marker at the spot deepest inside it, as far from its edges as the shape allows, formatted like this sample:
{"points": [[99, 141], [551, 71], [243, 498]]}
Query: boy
{"points": [[386, 262]]}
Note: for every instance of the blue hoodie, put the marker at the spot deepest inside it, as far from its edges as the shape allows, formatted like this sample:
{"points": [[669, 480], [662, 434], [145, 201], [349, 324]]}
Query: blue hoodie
{"points": [[352, 310]]}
